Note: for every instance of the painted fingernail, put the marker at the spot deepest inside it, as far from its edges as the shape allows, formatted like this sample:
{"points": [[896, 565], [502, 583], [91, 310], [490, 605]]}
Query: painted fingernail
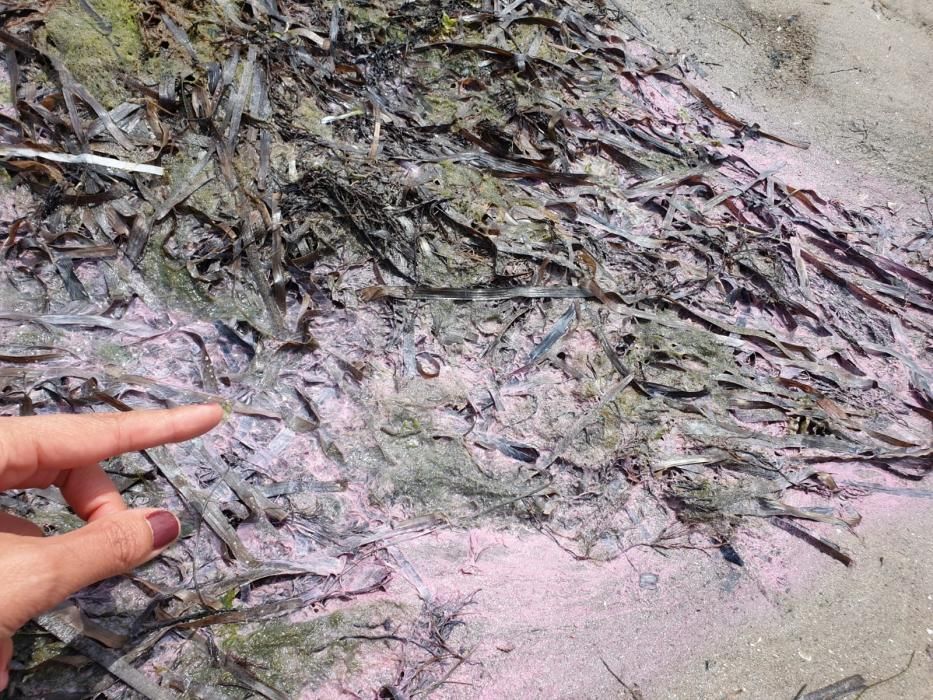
{"points": [[165, 528]]}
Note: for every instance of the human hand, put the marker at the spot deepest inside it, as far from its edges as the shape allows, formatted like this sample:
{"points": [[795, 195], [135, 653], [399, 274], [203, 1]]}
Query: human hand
{"points": [[65, 450]]}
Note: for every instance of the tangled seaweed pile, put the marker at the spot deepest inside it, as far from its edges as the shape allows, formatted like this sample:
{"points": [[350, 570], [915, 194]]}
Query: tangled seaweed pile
{"points": [[442, 261]]}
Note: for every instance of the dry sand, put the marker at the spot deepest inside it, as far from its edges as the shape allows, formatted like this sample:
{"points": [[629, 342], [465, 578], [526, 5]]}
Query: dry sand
{"points": [[869, 619], [853, 78]]}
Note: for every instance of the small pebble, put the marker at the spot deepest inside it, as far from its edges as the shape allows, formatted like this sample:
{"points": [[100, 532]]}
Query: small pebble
{"points": [[649, 581]]}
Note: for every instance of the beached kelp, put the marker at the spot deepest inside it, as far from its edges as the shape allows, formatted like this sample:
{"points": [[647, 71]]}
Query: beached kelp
{"points": [[443, 263]]}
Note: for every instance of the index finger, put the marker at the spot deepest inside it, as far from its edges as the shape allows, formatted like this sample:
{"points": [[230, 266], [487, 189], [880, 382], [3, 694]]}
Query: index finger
{"points": [[32, 443]]}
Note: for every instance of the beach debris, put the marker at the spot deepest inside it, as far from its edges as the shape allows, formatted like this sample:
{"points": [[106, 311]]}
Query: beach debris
{"points": [[632, 691], [825, 546], [649, 581], [730, 554], [80, 159], [840, 689]]}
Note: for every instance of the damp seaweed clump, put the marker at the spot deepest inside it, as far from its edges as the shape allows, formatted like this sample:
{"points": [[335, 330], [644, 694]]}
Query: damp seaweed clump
{"points": [[292, 656]]}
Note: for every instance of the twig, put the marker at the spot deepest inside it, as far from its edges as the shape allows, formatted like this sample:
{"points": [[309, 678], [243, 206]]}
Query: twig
{"points": [[839, 689], [510, 501], [910, 662], [627, 16], [632, 690], [733, 30], [828, 548], [839, 70], [445, 679], [377, 129]]}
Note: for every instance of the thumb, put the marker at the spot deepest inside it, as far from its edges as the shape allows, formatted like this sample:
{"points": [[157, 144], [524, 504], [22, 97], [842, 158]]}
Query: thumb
{"points": [[53, 568], [111, 545]]}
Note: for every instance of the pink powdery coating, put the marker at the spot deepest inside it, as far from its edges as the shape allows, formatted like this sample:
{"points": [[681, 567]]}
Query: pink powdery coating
{"points": [[543, 620], [15, 203], [815, 169], [538, 611], [6, 107]]}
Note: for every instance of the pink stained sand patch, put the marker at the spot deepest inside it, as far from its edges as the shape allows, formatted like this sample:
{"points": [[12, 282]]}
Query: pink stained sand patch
{"points": [[543, 621], [15, 203]]}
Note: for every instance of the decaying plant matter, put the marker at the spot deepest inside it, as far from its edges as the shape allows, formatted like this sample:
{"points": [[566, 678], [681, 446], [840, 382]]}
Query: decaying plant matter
{"points": [[442, 261]]}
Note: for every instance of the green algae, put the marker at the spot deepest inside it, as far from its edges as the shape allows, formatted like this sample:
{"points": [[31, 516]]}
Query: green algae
{"points": [[443, 108], [447, 322], [35, 653], [471, 191], [419, 465], [113, 353], [176, 288], [173, 283], [97, 50], [5, 96], [213, 198], [42, 652], [32, 336], [292, 656], [434, 474], [374, 20], [58, 522], [307, 116]]}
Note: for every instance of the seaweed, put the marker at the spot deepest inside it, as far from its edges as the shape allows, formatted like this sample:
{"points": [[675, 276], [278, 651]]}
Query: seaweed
{"points": [[443, 263]]}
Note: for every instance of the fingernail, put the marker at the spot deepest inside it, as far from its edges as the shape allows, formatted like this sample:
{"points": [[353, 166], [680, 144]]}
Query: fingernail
{"points": [[165, 528], [4, 679]]}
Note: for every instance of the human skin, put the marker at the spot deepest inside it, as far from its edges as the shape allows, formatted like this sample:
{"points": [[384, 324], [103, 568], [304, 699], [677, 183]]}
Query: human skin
{"points": [[65, 451]]}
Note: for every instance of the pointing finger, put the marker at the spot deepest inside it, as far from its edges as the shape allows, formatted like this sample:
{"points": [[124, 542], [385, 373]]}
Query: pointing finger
{"points": [[12, 525], [6, 653], [33, 444]]}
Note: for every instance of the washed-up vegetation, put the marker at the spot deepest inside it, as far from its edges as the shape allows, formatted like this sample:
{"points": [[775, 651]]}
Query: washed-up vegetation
{"points": [[443, 263]]}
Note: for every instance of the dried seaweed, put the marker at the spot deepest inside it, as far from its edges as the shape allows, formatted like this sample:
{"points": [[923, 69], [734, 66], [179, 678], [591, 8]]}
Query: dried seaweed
{"points": [[219, 223], [61, 624], [839, 689], [825, 546]]}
